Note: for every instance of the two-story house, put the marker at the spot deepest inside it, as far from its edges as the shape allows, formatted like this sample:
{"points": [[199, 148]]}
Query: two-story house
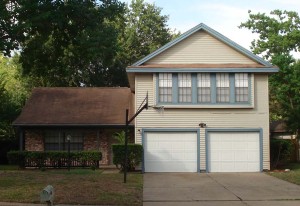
{"points": [[209, 108]]}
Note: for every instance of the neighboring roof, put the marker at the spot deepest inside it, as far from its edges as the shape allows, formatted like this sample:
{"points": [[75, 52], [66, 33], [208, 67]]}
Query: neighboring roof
{"points": [[278, 126], [75, 106], [212, 32]]}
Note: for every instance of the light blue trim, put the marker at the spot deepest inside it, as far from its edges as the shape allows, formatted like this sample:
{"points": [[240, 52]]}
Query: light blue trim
{"points": [[194, 89], [212, 32], [157, 87], [197, 130], [250, 88], [207, 70], [174, 88], [213, 88], [260, 130], [232, 88]]}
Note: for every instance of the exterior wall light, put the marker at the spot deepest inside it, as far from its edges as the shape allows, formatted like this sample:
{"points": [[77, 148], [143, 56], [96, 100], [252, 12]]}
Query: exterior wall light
{"points": [[202, 125]]}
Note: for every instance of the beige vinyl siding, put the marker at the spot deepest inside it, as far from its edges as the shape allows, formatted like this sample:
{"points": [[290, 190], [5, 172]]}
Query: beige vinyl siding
{"points": [[143, 84], [200, 48], [257, 117]]}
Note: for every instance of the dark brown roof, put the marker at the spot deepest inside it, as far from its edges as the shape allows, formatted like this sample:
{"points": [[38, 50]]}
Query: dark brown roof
{"points": [[76, 106]]}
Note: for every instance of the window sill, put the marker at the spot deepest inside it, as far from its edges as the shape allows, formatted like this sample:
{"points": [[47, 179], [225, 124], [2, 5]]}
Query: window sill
{"points": [[207, 106]]}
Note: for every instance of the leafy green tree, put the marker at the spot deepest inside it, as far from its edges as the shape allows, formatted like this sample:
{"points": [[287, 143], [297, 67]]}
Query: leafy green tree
{"points": [[7, 27], [13, 93], [64, 43], [78, 42], [279, 34], [146, 30], [142, 30]]}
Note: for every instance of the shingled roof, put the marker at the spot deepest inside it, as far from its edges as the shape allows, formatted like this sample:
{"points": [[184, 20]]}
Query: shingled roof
{"points": [[75, 106]]}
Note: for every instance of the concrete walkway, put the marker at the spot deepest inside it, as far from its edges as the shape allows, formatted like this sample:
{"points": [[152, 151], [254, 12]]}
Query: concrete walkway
{"points": [[234, 189]]}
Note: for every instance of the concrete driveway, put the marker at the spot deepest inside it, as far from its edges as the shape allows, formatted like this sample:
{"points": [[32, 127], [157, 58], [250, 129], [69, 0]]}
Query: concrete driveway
{"points": [[232, 189]]}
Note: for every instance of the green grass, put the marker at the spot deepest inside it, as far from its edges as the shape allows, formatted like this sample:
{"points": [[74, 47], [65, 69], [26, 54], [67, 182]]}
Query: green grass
{"points": [[8, 167], [79, 186], [292, 176]]}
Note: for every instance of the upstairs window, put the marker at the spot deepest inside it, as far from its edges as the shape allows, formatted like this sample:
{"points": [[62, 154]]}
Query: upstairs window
{"points": [[165, 87], [184, 87], [204, 91], [203, 88], [223, 88], [241, 87]]}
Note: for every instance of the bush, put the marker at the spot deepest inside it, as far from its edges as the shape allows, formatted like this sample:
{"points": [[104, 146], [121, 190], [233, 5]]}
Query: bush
{"points": [[5, 146], [135, 153], [16, 158], [281, 151], [56, 159]]}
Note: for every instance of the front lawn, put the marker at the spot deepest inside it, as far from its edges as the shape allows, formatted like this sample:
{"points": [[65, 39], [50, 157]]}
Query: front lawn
{"points": [[79, 186], [292, 176]]}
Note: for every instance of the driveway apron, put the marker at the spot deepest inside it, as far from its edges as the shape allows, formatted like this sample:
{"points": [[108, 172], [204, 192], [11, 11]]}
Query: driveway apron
{"points": [[218, 189]]}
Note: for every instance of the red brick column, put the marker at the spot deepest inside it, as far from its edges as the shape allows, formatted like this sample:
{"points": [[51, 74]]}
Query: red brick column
{"points": [[34, 141]]}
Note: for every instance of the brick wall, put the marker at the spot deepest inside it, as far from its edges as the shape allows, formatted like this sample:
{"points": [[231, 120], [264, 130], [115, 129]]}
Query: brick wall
{"points": [[105, 141], [34, 141]]}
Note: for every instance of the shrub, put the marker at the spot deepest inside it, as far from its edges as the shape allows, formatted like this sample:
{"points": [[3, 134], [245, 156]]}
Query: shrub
{"points": [[120, 137], [56, 159], [16, 158], [135, 153], [281, 151]]}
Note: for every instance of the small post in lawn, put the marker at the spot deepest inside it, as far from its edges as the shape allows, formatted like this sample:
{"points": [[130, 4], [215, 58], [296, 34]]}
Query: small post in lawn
{"points": [[69, 150], [126, 147], [144, 105]]}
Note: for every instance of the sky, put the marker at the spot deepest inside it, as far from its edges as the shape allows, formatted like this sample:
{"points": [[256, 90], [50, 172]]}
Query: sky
{"points": [[223, 16]]}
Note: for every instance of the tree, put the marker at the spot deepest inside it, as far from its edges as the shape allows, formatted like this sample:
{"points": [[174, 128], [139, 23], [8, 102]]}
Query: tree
{"points": [[278, 36], [142, 30], [146, 30], [279, 33], [64, 43], [13, 93], [7, 27]]}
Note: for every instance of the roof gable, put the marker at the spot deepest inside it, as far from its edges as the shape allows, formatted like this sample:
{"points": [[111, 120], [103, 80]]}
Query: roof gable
{"points": [[192, 32]]}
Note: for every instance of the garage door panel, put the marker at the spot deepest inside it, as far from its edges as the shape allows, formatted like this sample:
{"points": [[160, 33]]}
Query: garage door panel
{"points": [[252, 145], [170, 152], [233, 152], [227, 155]]}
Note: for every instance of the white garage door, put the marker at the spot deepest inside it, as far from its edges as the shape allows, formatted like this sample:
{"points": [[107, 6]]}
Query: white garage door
{"points": [[170, 152], [233, 152]]}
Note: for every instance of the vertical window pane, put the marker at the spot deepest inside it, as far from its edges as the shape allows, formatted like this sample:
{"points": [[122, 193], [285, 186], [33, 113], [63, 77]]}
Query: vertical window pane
{"points": [[165, 87], [223, 90], [185, 87], [203, 81], [76, 140], [241, 87], [52, 140], [57, 140]]}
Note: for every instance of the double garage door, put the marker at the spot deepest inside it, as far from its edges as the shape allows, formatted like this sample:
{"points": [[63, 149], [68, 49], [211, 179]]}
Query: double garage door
{"points": [[179, 152]]}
